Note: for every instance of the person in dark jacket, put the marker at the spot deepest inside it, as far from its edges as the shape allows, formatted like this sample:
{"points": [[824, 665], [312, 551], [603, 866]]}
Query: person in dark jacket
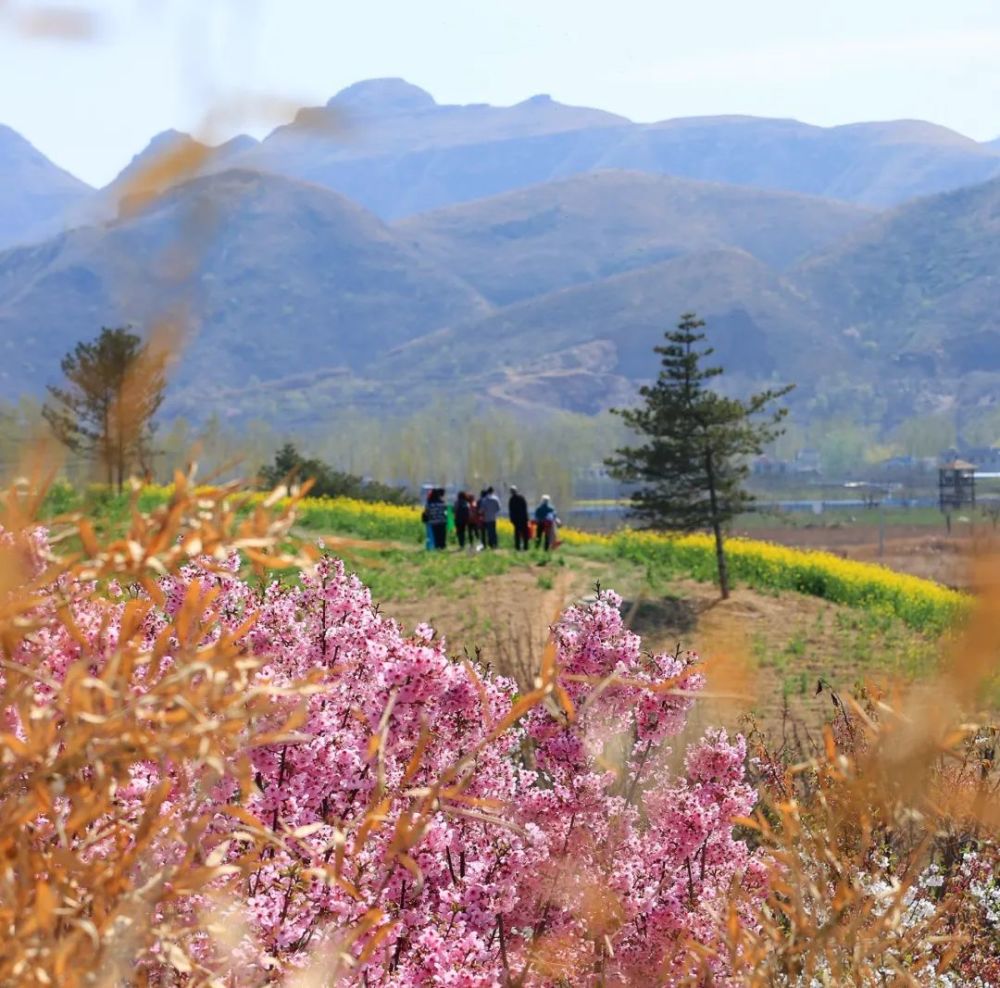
{"points": [[463, 516], [436, 516], [517, 511], [428, 534]]}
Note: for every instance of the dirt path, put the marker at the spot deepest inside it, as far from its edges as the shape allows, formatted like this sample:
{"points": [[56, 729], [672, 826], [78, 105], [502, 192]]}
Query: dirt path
{"points": [[506, 617], [763, 654]]}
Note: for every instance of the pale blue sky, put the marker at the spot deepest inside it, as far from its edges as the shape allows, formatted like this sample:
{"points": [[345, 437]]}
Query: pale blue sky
{"points": [[154, 64]]}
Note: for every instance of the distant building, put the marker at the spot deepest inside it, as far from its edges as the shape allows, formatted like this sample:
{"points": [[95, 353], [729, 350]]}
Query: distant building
{"points": [[907, 466], [956, 485], [768, 466], [982, 457], [807, 461], [898, 464]]}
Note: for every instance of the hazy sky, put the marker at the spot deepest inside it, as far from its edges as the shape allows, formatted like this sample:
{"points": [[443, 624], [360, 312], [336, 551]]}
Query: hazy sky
{"points": [[154, 64]]}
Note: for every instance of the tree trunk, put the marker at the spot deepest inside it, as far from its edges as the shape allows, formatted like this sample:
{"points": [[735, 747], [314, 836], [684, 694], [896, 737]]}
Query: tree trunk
{"points": [[720, 549], [120, 439], [109, 467], [720, 559]]}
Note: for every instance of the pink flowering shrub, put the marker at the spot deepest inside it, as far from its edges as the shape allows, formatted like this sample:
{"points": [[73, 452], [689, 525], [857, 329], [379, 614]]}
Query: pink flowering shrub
{"points": [[560, 845], [423, 823]]}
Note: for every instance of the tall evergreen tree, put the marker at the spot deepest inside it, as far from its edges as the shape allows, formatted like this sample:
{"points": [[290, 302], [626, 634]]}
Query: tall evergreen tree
{"points": [[114, 388], [692, 463]]}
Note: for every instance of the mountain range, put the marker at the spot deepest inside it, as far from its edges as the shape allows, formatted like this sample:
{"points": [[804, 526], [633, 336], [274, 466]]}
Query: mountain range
{"points": [[389, 146], [383, 249], [266, 276]]}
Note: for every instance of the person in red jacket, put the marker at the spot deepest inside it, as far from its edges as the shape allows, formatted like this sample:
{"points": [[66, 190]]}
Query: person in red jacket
{"points": [[475, 522]]}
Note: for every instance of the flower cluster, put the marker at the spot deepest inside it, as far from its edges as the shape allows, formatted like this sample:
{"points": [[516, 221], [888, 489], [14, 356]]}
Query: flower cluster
{"points": [[560, 845]]}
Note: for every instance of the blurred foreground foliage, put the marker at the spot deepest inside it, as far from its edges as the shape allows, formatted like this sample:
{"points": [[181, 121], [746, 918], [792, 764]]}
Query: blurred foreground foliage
{"points": [[879, 838]]}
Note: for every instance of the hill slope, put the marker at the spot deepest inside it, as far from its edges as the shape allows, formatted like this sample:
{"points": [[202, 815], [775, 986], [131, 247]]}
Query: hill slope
{"points": [[534, 241], [586, 347], [301, 302], [920, 285], [273, 277], [389, 146], [35, 194]]}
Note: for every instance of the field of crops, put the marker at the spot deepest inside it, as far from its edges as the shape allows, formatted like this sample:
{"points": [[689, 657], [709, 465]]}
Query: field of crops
{"points": [[921, 604]]}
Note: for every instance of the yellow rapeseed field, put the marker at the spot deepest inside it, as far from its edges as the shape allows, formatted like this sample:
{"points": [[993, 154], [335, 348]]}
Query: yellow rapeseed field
{"points": [[920, 603]]}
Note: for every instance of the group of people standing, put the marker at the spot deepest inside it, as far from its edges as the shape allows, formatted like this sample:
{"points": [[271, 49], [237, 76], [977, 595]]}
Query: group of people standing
{"points": [[475, 520]]}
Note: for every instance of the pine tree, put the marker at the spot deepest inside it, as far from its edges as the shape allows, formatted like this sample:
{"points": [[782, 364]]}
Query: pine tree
{"points": [[692, 464], [114, 387]]}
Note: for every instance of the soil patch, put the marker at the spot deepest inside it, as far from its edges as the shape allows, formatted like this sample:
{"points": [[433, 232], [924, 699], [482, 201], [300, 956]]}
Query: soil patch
{"points": [[650, 617], [776, 657], [505, 619]]}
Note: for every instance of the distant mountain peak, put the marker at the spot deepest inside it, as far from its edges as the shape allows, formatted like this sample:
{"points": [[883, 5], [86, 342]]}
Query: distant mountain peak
{"points": [[167, 137], [9, 135], [16, 151], [383, 97], [36, 195], [237, 144], [144, 167]]}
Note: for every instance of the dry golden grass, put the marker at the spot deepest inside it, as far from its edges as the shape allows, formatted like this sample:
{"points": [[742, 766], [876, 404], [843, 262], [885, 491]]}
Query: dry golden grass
{"points": [[82, 895], [903, 781]]}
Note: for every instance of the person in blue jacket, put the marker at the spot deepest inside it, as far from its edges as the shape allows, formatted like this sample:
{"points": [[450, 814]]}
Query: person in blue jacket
{"points": [[545, 523]]}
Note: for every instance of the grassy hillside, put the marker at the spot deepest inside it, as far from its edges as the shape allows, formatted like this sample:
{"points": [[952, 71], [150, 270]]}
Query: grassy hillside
{"points": [[585, 347], [267, 277], [795, 616], [918, 285], [583, 229]]}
